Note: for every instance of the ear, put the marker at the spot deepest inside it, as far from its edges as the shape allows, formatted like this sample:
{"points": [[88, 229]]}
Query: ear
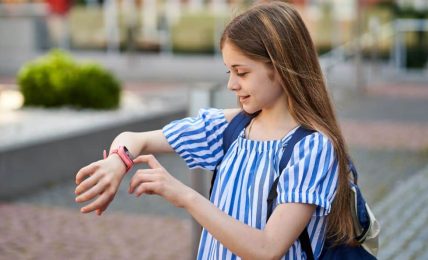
{"points": [[274, 75], [276, 78], [272, 71]]}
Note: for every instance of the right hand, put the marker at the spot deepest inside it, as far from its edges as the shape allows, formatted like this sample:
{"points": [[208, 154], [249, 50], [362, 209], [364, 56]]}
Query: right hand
{"points": [[100, 179]]}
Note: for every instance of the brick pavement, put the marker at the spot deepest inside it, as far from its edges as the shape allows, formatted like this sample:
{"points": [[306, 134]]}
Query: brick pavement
{"points": [[34, 232], [398, 178], [404, 217], [386, 134]]}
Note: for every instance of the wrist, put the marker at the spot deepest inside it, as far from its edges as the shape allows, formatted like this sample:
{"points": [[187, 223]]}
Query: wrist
{"points": [[119, 166], [190, 198], [124, 155]]}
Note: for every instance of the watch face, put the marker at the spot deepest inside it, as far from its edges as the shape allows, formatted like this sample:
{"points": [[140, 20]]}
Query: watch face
{"points": [[128, 153]]}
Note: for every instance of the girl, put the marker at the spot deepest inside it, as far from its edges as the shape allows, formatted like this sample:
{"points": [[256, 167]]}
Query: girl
{"points": [[274, 71]]}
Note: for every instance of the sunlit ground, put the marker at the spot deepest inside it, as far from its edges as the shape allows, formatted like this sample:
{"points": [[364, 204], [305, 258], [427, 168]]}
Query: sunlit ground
{"points": [[10, 99]]}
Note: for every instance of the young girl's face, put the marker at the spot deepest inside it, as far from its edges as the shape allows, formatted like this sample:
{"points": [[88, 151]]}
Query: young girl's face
{"points": [[255, 83]]}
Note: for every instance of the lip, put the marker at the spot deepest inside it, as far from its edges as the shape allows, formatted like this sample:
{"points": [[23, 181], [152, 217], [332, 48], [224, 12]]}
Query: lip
{"points": [[243, 98]]}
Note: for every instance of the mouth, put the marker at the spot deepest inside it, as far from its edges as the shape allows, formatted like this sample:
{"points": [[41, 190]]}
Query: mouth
{"points": [[243, 98]]}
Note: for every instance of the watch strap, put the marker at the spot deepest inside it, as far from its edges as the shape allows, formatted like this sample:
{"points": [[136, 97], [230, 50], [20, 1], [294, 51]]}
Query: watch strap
{"points": [[123, 154]]}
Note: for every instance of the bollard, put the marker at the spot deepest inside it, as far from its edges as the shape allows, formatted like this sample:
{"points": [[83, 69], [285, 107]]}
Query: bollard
{"points": [[375, 30], [111, 26], [360, 80], [399, 46]]}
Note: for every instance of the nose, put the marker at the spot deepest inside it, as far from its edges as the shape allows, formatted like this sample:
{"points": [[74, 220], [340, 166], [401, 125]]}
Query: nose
{"points": [[233, 84]]}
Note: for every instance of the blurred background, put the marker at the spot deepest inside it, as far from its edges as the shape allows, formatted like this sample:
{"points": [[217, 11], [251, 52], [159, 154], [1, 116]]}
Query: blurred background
{"points": [[74, 74]]}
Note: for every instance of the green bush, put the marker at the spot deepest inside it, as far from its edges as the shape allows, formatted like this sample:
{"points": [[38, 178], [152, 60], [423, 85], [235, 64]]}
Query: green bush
{"points": [[45, 81], [95, 88], [57, 80]]}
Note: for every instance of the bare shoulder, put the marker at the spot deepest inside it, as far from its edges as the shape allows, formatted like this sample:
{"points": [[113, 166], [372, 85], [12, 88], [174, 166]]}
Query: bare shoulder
{"points": [[229, 114]]}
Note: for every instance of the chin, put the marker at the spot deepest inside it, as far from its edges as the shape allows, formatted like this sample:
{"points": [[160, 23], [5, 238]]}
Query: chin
{"points": [[249, 109]]}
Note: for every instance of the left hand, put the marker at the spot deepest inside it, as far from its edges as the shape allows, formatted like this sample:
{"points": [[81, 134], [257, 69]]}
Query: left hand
{"points": [[157, 180], [99, 180]]}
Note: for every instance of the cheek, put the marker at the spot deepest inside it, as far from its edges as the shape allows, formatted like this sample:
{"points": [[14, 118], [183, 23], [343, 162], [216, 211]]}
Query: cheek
{"points": [[258, 82], [270, 90]]}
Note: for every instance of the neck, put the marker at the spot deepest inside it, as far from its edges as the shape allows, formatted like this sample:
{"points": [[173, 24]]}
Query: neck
{"points": [[272, 123], [276, 117]]}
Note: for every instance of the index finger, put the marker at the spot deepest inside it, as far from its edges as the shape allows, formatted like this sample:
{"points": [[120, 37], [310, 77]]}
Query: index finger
{"points": [[85, 172], [99, 203], [149, 159]]}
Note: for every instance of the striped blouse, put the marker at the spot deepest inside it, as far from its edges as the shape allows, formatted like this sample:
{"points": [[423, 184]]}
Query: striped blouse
{"points": [[247, 171]]}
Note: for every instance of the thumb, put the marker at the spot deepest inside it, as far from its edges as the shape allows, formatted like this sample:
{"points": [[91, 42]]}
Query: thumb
{"points": [[149, 159]]}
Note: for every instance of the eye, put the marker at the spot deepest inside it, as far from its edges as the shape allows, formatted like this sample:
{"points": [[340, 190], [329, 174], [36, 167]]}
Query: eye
{"points": [[228, 72], [241, 74]]}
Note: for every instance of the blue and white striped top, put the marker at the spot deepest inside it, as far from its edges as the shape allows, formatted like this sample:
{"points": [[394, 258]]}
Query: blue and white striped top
{"points": [[247, 171]]}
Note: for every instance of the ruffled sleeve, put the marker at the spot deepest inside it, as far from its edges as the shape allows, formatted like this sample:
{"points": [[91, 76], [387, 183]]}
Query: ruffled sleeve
{"points": [[311, 174], [198, 140]]}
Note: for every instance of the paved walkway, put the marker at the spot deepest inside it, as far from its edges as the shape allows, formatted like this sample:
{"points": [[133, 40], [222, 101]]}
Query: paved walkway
{"points": [[39, 232], [404, 218], [385, 129]]}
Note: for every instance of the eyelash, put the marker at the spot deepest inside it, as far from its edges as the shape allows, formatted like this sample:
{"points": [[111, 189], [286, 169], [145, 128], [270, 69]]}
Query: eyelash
{"points": [[238, 74]]}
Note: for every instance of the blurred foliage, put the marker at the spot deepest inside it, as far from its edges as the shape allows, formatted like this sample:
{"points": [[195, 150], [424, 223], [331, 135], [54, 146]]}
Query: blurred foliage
{"points": [[383, 13], [199, 31], [410, 12], [417, 56], [87, 27], [45, 81], [57, 80], [196, 32], [416, 42], [95, 88]]}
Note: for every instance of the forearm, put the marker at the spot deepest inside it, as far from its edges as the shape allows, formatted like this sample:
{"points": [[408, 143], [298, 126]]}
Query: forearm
{"points": [[281, 231], [142, 142], [241, 239]]}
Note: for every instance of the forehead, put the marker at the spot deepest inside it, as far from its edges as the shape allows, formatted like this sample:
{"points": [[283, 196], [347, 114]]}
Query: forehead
{"points": [[232, 56]]}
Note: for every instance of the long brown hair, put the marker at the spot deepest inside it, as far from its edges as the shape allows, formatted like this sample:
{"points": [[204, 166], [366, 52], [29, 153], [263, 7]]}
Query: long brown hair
{"points": [[275, 33]]}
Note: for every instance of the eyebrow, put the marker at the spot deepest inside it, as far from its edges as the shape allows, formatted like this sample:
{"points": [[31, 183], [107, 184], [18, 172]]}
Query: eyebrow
{"points": [[238, 65]]}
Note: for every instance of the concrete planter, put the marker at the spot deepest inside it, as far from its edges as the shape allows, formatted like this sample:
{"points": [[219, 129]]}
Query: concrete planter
{"points": [[25, 168]]}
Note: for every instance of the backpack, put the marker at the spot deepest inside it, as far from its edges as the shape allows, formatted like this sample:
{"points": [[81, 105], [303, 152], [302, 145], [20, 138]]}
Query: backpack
{"points": [[366, 226]]}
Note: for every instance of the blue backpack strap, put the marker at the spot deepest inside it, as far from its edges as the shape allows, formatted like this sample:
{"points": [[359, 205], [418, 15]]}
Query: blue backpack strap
{"points": [[298, 135], [236, 125]]}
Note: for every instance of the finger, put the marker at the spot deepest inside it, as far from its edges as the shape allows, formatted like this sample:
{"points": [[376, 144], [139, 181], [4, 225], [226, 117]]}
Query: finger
{"points": [[145, 175], [91, 193], [96, 204], [85, 172], [101, 210], [87, 183], [149, 159], [147, 187]]}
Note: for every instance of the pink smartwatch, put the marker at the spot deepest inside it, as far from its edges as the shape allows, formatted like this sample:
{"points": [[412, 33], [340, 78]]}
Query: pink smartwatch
{"points": [[124, 155]]}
